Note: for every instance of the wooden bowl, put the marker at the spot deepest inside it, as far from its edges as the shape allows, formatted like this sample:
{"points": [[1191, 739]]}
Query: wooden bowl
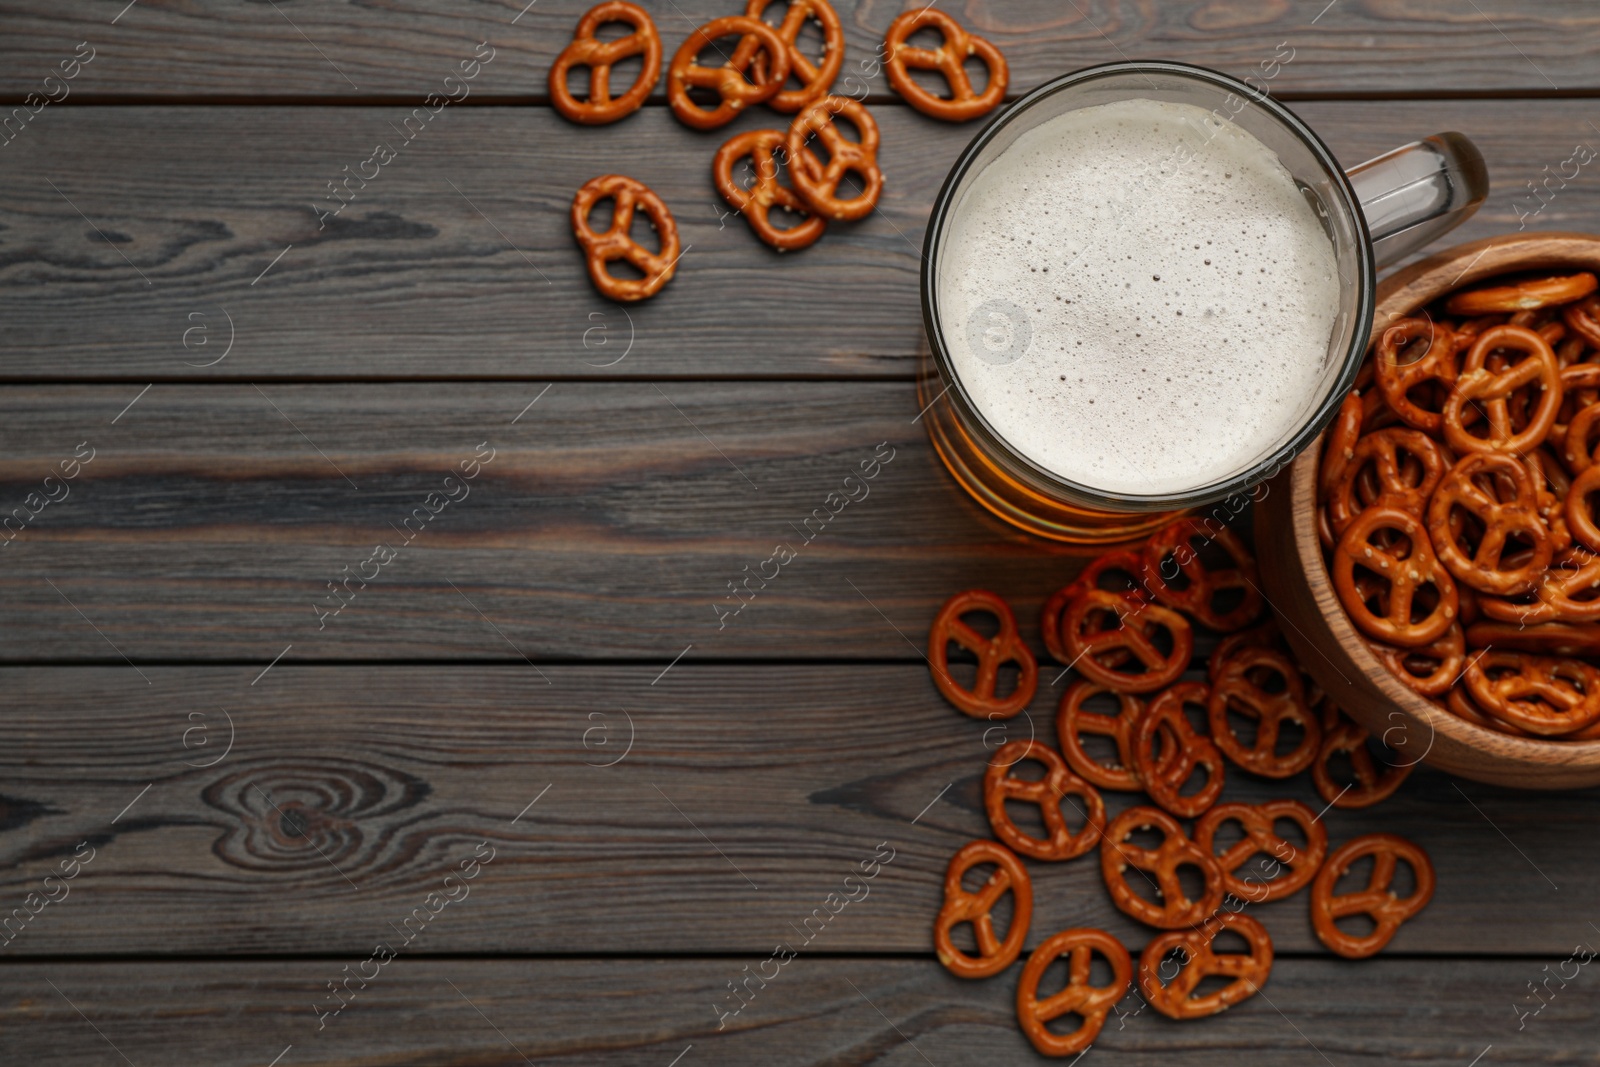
{"points": [[1315, 623]]}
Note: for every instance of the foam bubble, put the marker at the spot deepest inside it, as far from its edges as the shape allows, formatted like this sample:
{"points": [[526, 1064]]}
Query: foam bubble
{"points": [[1177, 291]]}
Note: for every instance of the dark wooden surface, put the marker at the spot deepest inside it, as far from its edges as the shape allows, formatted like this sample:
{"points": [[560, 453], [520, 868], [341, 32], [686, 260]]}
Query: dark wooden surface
{"points": [[474, 690], [1435, 1013], [418, 279], [342, 50], [793, 773]]}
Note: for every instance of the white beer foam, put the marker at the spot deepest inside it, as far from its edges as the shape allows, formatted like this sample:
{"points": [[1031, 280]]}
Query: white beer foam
{"points": [[1136, 317]]}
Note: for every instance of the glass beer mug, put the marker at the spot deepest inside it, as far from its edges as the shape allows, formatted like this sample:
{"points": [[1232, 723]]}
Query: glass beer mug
{"points": [[1373, 215]]}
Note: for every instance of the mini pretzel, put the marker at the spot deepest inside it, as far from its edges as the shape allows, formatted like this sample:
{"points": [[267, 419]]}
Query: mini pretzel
{"points": [[1265, 635], [757, 202], [1050, 619], [1375, 414], [1198, 594], [947, 59], [1383, 449], [1090, 647], [1460, 702], [1237, 690], [1579, 453], [1583, 319], [815, 81], [1377, 901], [600, 56], [1182, 749], [728, 80], [1468, 487], [1341, 734], [1126, 561], [1557, 598], [1409, 566], [1544, 639], [1432, 669], [1523, 296], [1249, 971], [601, 248], [1342, 437], [1259, 822], [1397, 380], [1176, 910], [1544, 696], [960, 906], [1580, 387], [1550, 487], [818, 183], [1580, 514], [1090, 1003], [1072, 719], [1047, 793], [1491, 390], [981, 701]]}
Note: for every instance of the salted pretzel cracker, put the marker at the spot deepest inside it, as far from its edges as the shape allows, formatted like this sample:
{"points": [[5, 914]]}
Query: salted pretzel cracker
{"points": [[757, 202], [1409, 566], [817, 182], [1125, 561], [734, 89], [1377, 901], [1479, 386], [960, 906], [586, 50], [1177, 999], [815, 79], [1081, 997], [1173, 552], [615, 243], [1176, 910], [1343, 735], [1182, 749], [1241, 688], [1471, 486], [1099, 651], [1259, 823], [1397, 380], [982, 700], [1073, 719], [964, 102], [1406, 466], [1047, 793], [1541, 695], [1523, 296], [1431, 669]]}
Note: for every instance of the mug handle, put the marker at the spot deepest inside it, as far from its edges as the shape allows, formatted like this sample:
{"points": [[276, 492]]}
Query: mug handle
{"points": [[1419, 192]]}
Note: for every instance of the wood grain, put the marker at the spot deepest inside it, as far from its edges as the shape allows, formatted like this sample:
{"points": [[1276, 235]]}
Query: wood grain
{"points": [[214, 48], [747, 796], [457, 260], [818, 1011], [608, 525]]}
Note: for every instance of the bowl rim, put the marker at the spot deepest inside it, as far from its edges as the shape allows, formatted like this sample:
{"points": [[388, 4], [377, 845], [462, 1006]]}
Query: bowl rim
{"points": [[1406, 290]]}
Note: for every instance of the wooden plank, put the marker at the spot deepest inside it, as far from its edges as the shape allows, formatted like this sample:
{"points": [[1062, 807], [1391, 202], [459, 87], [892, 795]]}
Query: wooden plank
{"points": [[210, 47], [816, 1011], [609, 523], [739, 799], [457, 260]]}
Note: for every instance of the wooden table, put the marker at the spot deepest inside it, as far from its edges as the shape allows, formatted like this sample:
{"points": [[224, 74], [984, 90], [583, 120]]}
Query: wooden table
{"points": [[523, 755]]}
